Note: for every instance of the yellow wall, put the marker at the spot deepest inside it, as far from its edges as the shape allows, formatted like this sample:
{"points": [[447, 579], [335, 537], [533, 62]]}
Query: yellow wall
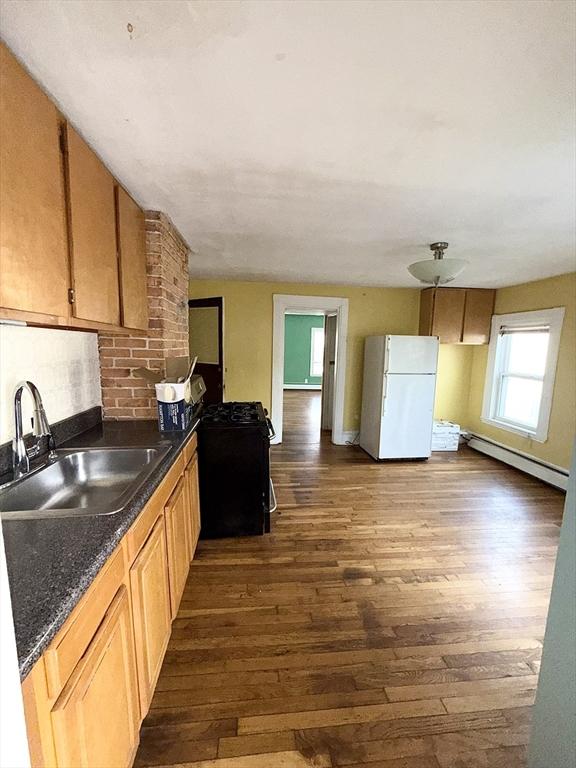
{"points": [[203, 339], [248, 309], [541, 294], [453, 382]]}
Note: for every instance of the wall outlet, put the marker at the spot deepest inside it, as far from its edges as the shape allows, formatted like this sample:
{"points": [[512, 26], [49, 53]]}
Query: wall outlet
{"points": [[305, 381]]}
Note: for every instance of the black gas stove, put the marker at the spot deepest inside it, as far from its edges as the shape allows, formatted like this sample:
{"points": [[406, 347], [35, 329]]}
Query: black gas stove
{"points": [[234, 414], [234, 460]]}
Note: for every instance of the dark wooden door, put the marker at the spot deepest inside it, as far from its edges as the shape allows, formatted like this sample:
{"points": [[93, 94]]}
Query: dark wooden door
{"points": [[205, 322]]}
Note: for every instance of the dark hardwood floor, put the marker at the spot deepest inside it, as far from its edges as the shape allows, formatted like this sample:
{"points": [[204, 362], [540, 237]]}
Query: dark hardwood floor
{"points": [[302, 416], [392, 619]]}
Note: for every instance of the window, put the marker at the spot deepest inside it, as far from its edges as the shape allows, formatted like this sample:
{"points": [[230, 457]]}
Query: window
{"points": [[316, 351], [520, 375]]}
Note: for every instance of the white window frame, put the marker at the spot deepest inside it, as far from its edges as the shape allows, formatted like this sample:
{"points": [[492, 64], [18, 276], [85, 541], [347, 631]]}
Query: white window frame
{"points": [[314, 332], [553, 318]]}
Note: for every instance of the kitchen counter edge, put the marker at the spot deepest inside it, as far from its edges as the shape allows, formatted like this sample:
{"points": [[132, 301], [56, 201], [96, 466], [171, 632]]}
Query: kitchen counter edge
{"points": [[53, 562]]}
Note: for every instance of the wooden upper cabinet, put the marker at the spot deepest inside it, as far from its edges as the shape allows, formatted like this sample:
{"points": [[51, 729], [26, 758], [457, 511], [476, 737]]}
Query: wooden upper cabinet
{"points": [[92, 232], [33, 240], [457, 315], [150, 588], [478, 316], [426, 312], [448, 315], [132, 255], [96, 718]]}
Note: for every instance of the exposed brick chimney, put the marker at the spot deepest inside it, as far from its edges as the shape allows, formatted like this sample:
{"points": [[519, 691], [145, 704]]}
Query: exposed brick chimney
{"points": [[124, 395]]}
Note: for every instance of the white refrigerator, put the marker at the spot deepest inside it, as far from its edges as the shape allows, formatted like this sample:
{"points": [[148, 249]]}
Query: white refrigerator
{"points": [[398, 396]]}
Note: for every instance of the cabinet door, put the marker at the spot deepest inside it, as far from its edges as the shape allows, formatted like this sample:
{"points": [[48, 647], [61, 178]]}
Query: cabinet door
{"points": [[33, 240], [92, 234], [193, 502], [178, 538], [150, 587], [426, 309], [132, 255], [448, 314], [96, 717], [478, 315]]}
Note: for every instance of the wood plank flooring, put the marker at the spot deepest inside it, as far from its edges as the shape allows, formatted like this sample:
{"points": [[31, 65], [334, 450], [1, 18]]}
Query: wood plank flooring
{"points": [[392, 619], [302, 415]]}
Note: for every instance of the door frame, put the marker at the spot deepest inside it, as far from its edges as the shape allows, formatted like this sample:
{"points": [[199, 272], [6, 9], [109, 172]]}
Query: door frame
{"points": [[218, 302], [331, 373], [284, 303]]}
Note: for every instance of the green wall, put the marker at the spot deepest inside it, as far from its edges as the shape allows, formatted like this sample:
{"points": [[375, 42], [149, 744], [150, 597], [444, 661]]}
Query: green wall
{"points": [[297, 348]]}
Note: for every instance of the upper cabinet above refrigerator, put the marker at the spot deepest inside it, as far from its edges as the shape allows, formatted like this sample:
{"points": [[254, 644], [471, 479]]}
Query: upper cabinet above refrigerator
{"points": [[457, 315]]}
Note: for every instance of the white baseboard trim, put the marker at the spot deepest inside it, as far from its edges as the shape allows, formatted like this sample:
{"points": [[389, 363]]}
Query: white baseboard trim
{"points": [[549, 473], [350, 436], [302, 386]]}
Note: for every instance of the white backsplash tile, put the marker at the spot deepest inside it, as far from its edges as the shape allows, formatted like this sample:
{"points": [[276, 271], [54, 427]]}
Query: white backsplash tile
{"points": [[63, 365]]}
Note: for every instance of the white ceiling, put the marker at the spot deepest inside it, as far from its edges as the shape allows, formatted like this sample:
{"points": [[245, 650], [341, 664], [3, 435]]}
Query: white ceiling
{"points": [[328, 141]]}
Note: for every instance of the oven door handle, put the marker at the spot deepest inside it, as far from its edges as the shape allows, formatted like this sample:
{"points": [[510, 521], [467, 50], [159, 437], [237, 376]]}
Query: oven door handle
{"points": [[271, 432], [274, 505]]}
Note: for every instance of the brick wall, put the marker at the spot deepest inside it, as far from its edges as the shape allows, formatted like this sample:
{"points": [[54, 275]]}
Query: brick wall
{"points": [[124, 395]]}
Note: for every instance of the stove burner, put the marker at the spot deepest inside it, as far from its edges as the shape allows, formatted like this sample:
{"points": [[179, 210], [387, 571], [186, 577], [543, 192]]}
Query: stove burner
{"points": [[234, 413]]}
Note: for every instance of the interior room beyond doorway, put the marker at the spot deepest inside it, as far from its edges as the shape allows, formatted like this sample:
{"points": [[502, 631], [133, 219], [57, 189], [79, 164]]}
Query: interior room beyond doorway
{"points": [[318, 364], [303, 374], [308, 382]]}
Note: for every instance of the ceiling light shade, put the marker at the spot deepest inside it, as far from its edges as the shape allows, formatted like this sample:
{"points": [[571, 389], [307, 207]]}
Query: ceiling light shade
{"points": [[437, 271]]}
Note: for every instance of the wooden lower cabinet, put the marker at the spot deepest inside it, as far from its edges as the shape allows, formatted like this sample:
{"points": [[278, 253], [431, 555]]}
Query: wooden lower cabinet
{"points": [[86, 696], [152, 612], [97, 717], [193, 491], [178, 538]]}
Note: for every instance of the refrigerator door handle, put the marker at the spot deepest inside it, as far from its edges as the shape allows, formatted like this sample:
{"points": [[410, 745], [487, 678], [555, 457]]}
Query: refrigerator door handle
{"points": [[384, 388]]}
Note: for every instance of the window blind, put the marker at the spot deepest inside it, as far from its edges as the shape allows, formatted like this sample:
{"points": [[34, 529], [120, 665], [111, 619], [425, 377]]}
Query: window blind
{"points": [[506, 330]]}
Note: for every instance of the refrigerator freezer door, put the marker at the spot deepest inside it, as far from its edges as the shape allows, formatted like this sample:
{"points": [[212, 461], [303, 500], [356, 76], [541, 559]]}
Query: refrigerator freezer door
{"points": [[411, 354], [407, 417]]}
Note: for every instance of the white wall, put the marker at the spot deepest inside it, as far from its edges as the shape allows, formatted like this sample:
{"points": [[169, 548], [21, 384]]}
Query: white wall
{"points": [[63, 365], [13, 740], [553, 739]]}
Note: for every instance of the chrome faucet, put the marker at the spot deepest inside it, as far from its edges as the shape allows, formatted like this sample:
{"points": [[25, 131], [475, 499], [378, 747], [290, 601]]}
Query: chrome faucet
{"points": [[41, 428]]}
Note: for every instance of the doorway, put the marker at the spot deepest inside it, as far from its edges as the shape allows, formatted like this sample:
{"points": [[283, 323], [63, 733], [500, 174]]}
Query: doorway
{"points": [[329, 368], [320, 403], [303, 374], [205, 325]]}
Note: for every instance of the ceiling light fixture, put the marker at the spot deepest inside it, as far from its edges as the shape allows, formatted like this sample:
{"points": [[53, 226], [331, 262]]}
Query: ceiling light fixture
{"points": [[438, 270]]}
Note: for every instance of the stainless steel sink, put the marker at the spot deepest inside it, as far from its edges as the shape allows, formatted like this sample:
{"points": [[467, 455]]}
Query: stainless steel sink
{"points": [[88, 481]]}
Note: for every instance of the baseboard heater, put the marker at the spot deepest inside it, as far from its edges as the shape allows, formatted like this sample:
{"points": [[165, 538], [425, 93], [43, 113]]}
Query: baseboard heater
{"points": [[302, 386], [549, 473]]}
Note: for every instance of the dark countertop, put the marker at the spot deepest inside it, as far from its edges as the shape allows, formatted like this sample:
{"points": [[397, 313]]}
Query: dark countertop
{"points": [[52, 562]]}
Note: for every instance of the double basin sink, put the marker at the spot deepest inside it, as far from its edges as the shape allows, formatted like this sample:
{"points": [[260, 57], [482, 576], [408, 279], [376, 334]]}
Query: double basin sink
{"points": [[87, 481]]}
